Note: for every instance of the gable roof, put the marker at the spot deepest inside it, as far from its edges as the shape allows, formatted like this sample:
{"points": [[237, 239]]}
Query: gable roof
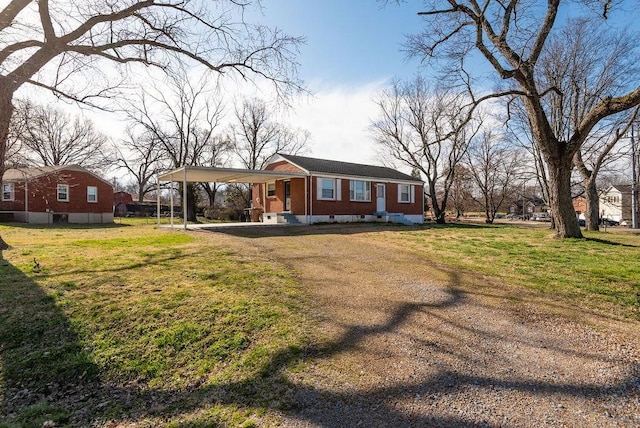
{"points": [[622, 188], [325, 166], [20, 174]]}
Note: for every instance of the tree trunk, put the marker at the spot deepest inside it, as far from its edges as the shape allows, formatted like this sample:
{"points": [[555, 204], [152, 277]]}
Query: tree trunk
{"points": [[488, 218], [592, 212], [562, 212], [6, 111], [438, 212], [191, 202]]}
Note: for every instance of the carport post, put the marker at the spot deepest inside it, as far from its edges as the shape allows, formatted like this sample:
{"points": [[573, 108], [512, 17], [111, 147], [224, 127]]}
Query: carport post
{"points": [[184, 198], [158, 200], [171, 202]]}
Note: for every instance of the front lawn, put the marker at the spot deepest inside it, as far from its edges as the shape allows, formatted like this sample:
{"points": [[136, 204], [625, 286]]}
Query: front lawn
{"points": [[130, 322]]}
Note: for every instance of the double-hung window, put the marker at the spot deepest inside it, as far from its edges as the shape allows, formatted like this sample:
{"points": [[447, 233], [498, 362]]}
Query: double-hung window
{"points": [[92, 194], [8, 192], [360, 190], [326, 188], [271, 190], [405, 193], [63, 192]]}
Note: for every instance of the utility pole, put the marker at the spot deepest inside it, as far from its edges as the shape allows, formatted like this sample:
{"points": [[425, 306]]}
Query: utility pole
{"points": [[634, 180]]}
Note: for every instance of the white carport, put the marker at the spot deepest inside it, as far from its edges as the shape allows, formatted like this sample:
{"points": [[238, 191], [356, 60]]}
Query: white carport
{"points": [[198, 174]]}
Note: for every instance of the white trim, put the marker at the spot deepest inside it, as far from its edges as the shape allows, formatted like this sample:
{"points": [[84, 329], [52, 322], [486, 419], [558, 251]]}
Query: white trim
{"points": [[58, 187], [319, 189], [412, 194], [338, 182], [353, 191], [12, 192], [270, 183], [95, 201]]}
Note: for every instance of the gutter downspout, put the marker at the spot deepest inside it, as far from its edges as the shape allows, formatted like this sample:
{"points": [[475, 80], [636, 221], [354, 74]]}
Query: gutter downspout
{"points": [[306, 202], [26, 198], [311, 198]]}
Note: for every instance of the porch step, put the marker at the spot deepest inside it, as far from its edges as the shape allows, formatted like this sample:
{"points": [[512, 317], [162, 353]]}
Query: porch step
{"points": [[289, 218], [393, 218]]}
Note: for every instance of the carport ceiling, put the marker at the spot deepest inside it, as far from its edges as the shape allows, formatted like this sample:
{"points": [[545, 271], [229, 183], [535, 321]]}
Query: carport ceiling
{"points": [[196, 174]]}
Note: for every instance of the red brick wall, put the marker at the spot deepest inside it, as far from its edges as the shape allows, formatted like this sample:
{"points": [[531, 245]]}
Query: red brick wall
{"points": [[347, 207], [43, 194], [322, 207], [275, 203], [283, 166]]}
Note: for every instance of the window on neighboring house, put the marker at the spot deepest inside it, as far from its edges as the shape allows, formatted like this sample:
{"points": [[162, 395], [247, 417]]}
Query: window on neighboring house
{"points": [[8, 192], [271, 190], [327, 188], [405, 193], [63, 192], [92, 194], [360, 190]]}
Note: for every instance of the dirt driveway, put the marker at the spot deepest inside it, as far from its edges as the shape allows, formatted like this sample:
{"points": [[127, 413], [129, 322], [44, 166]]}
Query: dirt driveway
{"points": [[401, 343]]}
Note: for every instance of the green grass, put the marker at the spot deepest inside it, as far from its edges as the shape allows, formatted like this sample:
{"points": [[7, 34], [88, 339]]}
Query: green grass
{"points": [[601, 272], [143, 321], [127, 322]]}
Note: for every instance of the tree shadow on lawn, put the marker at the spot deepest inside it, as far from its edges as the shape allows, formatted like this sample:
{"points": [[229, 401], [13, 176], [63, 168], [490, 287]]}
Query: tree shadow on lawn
{"points": [[268, 231], [48, 376], [612, 243], [65, 226]]}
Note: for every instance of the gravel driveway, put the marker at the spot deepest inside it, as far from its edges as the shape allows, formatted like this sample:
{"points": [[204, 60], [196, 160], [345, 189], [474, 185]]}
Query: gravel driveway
{"points": [[404, 344]]}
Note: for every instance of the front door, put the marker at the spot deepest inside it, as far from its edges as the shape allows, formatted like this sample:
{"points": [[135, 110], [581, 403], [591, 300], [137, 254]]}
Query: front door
{"points": [[381, 204], [287, 196]]}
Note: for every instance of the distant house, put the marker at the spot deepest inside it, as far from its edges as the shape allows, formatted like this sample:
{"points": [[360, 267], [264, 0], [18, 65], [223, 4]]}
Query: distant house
{"points": [[528, 206], [55, 194], [615, 203], [332, 191], [125, 206]]}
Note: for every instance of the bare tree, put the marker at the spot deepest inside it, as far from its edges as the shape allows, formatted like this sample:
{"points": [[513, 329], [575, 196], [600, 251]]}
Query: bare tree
{"points": [[493, 165], [586, 64], [18, 126], [461, 193], [218, 155], [512, 36], [181, 119], [48, 44], [425, 129], [144, 160], [54, 137], [256, 135]]}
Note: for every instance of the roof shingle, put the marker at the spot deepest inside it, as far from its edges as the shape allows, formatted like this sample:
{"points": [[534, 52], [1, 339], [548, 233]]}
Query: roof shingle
{"points": [[325, 166]]}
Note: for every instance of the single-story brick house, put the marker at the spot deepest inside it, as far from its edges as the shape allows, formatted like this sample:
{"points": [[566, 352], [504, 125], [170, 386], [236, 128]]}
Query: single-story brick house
{"points": [[55, 194], [333, 191], [298, 189]]}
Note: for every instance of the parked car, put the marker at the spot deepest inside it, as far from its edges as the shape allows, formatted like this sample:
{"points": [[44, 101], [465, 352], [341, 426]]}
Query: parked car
{"points": [[513, 216], [540, 217], [609, 222]]}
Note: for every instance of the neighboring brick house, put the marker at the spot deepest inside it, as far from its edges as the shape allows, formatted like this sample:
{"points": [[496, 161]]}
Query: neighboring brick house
{"points": [[615, 203], [580, 206], [55, 194], [332, 191]]}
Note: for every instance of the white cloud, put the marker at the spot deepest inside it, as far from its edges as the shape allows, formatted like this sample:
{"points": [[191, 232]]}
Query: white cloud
{"points": [[338, 118]]}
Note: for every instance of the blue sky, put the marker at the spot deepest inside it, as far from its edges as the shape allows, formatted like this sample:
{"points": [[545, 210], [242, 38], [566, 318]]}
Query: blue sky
{"points": [[348, 41], [353, 49]]}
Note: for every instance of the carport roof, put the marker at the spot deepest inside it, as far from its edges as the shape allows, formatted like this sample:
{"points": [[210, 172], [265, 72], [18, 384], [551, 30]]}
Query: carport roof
{"points": [[198, 174]]}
